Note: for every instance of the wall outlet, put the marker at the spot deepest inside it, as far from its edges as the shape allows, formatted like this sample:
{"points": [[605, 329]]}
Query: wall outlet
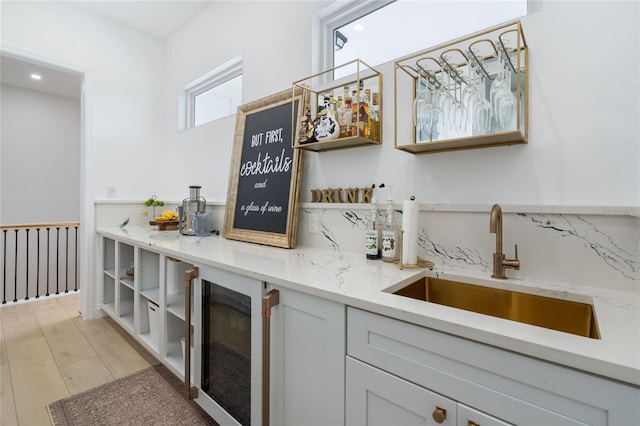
{"points": [[314, 223]]}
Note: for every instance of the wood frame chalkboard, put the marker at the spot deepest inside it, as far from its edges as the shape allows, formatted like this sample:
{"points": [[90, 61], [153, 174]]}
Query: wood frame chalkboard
{"points": [[264, 178]]}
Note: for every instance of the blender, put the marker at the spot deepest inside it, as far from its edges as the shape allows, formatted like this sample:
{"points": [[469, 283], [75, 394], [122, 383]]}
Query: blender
{"points": [[192, 207]]}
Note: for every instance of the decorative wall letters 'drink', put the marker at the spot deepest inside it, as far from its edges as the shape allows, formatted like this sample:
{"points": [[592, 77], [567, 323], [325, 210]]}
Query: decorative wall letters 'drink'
{"points": [[335, 195]]}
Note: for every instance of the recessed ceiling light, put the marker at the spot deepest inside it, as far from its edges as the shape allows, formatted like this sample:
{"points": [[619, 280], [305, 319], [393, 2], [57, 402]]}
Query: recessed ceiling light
{"points": [[358, 27], [36, 76]]}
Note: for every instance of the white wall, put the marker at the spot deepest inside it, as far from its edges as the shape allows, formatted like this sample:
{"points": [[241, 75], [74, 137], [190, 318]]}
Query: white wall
{"points": [[583, 141], [40, 143], [274, 39], [583, 146], [123, 82]]}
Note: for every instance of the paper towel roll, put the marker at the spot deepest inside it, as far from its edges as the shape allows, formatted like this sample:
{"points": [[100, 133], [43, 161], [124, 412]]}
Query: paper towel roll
{"points": [[410, 234]]}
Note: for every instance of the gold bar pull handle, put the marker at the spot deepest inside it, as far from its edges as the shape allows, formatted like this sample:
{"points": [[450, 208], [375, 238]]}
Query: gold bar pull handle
{"points": [[189, 391], [269, 300]]}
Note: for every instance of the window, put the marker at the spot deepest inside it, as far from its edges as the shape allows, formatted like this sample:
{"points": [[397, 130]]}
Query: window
{"points": [[380, 31], [211, 96]]}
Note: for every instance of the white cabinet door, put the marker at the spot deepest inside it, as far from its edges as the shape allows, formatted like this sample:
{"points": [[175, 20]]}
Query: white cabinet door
{"points": [[307, 360], [467, 416], [519, 389], [377, 398]]}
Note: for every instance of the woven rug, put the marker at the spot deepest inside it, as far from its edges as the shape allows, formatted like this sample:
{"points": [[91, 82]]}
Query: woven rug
{"points": [[153, 396]]}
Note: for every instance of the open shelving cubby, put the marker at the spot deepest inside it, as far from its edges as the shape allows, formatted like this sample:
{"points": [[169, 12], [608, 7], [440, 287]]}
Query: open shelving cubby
{"points": [[143, 291], [109, 275], [149, 302], [125, 256]]}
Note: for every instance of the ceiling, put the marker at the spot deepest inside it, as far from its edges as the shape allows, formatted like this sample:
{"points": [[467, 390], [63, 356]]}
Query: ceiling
{"points": [[16, 72], [159, 18], [156, 18]]}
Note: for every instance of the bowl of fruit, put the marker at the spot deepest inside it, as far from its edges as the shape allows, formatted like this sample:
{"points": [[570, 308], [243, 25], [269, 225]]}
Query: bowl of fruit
{"points": [[167, 220]]}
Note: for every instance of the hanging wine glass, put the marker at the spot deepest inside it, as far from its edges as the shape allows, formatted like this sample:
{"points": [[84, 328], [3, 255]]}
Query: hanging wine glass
{"points": [[502, 100], [470, 93], [436, 113], [482, 107], [458, 112], [508, 99], [497, 87], [421, 109]]}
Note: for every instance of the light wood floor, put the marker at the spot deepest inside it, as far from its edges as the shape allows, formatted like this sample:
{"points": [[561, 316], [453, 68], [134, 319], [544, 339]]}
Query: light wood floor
{"points": [[49, 352]]}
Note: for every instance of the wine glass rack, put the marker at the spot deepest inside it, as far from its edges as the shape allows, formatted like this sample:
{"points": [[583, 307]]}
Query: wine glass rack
{"points": [[471, 92]]}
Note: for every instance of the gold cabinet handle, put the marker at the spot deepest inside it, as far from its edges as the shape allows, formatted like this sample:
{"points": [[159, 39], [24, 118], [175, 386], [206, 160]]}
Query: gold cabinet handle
{"points": [[472, 423], [190, 392], [269, 300], [439, 415]]}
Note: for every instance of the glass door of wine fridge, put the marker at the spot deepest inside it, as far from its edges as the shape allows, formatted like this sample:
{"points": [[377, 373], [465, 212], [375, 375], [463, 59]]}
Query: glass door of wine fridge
{"points": [[231, 347]]}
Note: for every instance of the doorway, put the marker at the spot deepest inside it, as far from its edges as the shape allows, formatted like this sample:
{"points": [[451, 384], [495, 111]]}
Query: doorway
{"points": [[40, 161]]}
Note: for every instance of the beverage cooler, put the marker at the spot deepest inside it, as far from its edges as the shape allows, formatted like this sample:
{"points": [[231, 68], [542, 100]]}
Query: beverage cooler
{"points": [[229, 340]]}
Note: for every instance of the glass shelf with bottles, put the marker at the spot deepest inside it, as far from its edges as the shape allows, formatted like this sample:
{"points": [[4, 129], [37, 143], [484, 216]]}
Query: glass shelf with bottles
{"points": [[339, 108], [468, 93]]}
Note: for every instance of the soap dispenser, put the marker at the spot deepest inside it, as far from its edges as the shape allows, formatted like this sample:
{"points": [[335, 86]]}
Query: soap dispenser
{"points": [[372, 236], [389, 232]]}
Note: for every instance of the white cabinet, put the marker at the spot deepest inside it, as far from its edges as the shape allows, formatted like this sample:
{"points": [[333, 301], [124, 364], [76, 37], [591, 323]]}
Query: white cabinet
{"points": [[331, 365], [377, 398], [145, 300], [117, 281], [307, 360], [510, 387], [308, 336]]}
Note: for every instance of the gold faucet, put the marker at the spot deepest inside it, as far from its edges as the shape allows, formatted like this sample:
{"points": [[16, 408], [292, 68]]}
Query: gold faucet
{"points": [[500, 263]]}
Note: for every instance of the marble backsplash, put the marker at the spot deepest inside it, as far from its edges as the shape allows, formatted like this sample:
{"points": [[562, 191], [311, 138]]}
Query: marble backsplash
{"points": [[592, 250], [595, 249]]}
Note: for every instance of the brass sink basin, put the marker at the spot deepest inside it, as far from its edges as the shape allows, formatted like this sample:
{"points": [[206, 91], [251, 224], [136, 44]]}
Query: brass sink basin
{"points": [[556, 314]]}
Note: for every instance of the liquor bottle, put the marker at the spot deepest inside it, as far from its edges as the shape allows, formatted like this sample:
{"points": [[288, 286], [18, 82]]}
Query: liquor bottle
{"points": [[374, 118], [367, 102], [346, 130], [389, 233], [348, 116], [342, 117], [327, 127], [306, 132], [363, 112], [354, 113], [367, 96], [372, 236]]}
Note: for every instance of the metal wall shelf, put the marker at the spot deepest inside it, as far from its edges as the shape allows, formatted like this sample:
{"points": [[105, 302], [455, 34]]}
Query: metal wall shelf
{"points": [[354, 78], [471, 92]]}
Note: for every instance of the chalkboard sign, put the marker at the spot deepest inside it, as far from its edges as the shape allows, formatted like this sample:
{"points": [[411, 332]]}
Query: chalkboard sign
{"points": [[264, 181]]}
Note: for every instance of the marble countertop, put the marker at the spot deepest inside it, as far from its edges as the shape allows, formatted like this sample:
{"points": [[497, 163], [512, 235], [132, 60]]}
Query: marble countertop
{"points": [[351, 279]]}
